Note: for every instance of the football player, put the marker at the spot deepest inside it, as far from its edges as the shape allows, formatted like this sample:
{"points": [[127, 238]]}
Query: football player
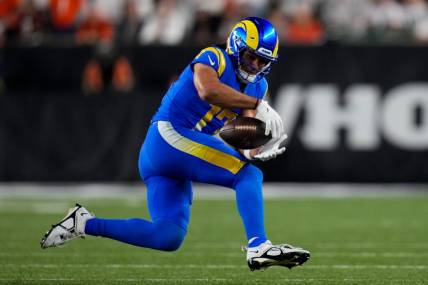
{"points": [[221, 83]]}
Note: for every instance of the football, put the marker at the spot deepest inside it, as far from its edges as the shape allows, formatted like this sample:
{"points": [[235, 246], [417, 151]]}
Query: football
{"points": [[245, 133]]}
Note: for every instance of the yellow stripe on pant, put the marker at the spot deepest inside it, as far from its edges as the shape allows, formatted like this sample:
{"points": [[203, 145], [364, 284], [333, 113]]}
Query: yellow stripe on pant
{"points": [[206, 153]]}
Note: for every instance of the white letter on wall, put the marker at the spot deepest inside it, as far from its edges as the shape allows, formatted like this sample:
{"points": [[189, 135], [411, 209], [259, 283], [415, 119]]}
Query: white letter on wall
{"points": [[398, 120], [325, 117]]}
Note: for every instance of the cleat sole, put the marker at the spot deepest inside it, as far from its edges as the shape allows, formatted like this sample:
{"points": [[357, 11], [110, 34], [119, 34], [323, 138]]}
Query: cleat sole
{"points": [[288, 260]]}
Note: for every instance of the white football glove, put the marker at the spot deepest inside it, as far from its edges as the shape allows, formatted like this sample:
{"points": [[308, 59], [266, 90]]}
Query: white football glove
{"points": [[271, 149], [271, 118]]}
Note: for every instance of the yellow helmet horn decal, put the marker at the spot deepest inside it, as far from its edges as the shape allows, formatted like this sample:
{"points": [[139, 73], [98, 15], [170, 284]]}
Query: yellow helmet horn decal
{"points": [[252, 39]]}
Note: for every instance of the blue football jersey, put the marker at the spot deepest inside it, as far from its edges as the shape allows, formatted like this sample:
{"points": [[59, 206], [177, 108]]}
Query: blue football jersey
{"points": [[182, 105]]}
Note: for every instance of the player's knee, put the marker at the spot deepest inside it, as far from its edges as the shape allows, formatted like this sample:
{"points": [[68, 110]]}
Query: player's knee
{"points": [[171, 237], [256, 172], [250, 172]]}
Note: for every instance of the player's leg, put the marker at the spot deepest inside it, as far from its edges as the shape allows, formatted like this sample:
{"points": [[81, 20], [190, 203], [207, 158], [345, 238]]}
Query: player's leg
{"points": [[169, 205], [169, 201]]}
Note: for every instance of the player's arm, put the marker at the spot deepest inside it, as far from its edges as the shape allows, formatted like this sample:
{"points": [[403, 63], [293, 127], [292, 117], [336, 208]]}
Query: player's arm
{"points": [[212, 90]]}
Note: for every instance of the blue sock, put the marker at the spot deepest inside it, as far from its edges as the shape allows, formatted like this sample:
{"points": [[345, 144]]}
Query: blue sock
{"points": [[162, 235], [249, 198]]}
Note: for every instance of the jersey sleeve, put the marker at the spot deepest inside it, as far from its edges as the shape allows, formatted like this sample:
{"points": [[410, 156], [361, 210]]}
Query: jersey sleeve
{"points": [[213, 57]]}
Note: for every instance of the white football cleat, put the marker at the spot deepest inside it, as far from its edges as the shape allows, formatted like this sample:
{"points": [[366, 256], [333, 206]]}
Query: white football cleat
{"points": [[71, 227], [267, 254]]}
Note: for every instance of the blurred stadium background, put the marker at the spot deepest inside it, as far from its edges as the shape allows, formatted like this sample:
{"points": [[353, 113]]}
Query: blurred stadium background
{"points": [[80, 79]]}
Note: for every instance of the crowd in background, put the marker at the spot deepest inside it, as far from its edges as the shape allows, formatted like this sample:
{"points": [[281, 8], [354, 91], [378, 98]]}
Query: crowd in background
{"points": [[108, 25], [200, 22]]}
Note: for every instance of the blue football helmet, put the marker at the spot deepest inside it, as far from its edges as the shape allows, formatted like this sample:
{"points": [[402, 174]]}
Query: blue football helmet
{"points": [[258, 36]]}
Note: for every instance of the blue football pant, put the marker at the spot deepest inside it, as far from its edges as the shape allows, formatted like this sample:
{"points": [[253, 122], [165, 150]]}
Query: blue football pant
{"points": [[170, 158]]}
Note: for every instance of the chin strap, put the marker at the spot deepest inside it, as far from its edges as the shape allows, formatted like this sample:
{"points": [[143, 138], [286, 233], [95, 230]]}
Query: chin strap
{"points": [[246, 77]]}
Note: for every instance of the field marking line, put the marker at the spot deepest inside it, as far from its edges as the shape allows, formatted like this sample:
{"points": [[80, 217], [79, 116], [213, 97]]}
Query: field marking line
{"points": [[336, 245], [360, 245], [212, 279], [352, 245], [38, 279], [240, 255], [215, 266], [375, 266]]}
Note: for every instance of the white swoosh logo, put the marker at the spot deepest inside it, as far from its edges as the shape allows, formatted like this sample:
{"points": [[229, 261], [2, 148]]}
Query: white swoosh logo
{"points": [[211, 61]]}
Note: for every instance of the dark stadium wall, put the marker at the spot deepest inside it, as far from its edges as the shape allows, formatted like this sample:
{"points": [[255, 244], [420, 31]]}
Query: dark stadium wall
{"points": [[353, 114], [73, 138]]}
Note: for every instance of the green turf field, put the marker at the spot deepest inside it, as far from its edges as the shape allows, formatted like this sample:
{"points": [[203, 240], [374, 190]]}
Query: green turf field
{"points": [[352, 240]]}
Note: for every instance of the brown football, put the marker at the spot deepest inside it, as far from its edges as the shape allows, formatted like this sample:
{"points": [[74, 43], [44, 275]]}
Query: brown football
{"points": [[245, 133]]}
